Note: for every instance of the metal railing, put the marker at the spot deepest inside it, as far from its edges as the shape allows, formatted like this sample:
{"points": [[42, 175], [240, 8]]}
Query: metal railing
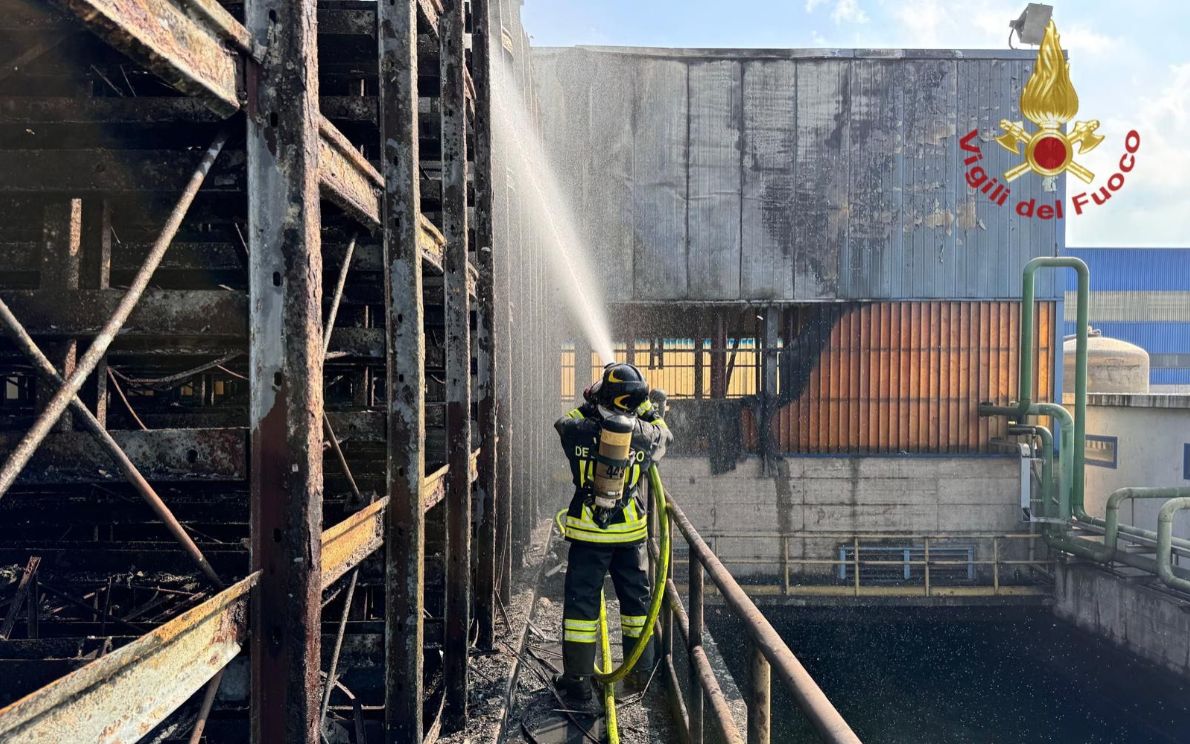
{"points": [[899, 564], [769, 654]]}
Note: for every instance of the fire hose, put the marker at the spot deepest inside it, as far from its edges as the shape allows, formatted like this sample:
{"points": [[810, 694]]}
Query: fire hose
{"points": [[608, 675]]}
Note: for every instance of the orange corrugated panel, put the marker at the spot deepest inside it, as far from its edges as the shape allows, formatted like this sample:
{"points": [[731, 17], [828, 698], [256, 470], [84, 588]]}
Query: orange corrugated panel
{"points": [[872, 409], [883, 366], [935, 343]]}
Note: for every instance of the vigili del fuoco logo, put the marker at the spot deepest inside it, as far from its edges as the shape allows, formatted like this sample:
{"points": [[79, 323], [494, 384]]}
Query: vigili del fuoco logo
{"points": [[1049, 101]]}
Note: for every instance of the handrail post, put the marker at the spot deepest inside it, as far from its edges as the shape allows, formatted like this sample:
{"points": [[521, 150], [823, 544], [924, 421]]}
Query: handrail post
{"points": [[995, 565], [785, 562], [855, 556], [759, 705], [694, 640], [927, 571]]}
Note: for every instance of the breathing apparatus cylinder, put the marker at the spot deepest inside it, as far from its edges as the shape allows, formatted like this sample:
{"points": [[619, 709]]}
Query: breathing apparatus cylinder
{"points": [[611, 463]]}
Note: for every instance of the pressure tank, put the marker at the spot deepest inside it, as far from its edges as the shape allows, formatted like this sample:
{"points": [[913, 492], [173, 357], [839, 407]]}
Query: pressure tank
{"points": [[1113, 366]]}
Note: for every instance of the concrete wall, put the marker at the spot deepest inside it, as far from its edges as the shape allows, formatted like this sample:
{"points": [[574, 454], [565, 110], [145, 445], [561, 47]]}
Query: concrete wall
{"points": [[1146, 621], [922, 495], [1152, 433]]}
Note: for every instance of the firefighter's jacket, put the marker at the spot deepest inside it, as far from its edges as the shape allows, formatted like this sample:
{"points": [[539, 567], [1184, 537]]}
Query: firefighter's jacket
{"points": [[579, 430]]}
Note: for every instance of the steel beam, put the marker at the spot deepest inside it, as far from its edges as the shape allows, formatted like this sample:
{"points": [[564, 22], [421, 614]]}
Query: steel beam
{"points": [[485, 336], [158, 455], [348, 543], [285, 284], [403, 230], [160, 312], [124, 695], [200, 49], [346, 176], [451, 25], [187, 50]]}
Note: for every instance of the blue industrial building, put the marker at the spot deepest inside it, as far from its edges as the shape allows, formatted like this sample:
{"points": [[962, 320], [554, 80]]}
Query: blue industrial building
{"points": [[1142, 296]]}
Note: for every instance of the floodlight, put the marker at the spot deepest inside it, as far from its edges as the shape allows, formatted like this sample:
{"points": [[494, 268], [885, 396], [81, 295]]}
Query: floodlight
{"points": [[1030, 27]]}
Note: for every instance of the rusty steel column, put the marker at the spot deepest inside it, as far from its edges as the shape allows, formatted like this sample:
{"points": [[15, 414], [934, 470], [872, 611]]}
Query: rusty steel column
{"points": [[719, 358], [405, 524], [285, 354], [62, 232], [458, 362], [486, 341], [97, 274]]}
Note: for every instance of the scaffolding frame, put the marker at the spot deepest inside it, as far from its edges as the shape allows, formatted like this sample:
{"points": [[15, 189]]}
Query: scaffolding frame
{"points": [[468, 270]]}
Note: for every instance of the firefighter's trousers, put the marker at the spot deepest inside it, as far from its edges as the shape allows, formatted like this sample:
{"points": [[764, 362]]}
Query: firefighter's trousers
{"points": [[587, 565]]}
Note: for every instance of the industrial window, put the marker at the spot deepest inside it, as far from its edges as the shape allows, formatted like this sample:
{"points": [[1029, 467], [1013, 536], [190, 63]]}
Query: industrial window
{"points": [[1102, 452], [1186, 462], [674, 365]]}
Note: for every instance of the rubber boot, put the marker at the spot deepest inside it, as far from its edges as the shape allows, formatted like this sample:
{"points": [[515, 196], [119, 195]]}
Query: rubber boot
{"points": [[573, 689]]}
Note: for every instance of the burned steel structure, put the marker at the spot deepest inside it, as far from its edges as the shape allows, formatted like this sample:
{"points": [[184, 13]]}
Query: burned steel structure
{"points": [[276, 364]]}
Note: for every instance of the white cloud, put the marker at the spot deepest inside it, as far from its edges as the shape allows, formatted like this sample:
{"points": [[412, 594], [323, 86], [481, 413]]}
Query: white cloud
{"points": [[1152, 202], [848, 11], [844, 11], [1079, 38]]}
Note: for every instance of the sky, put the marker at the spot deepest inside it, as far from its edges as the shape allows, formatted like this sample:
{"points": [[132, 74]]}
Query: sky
{"points": [[1130, 64]]}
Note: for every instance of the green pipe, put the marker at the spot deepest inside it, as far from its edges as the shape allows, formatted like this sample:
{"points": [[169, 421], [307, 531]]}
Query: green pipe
{"points": [[1023, 405], [1108, 550], [1065, 461], [1165, 569]]}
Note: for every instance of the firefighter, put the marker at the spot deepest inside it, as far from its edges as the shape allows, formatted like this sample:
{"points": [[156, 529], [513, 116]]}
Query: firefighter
{"points": [[606, 525]]}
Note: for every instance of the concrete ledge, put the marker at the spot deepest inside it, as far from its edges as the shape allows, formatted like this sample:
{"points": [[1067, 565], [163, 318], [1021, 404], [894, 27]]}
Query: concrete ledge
{"points": [[1137, 400], [1131, 612]]}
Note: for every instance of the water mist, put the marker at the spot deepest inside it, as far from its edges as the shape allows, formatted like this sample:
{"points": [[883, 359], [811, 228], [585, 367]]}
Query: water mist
{"points": [[515, 135]]}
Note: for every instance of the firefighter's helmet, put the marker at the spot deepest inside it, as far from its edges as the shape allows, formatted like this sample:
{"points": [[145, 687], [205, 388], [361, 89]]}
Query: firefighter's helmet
{"points": [[621, 388]]}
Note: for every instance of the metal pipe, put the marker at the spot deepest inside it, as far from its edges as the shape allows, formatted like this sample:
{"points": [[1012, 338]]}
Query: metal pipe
{"points": [[45, 368], [333, 669], [693, 639], [56, 406], [759, 706], [1025, 372], [809, 696], [204, 711], [1065, 461], [1165, 569], [338, 297]]}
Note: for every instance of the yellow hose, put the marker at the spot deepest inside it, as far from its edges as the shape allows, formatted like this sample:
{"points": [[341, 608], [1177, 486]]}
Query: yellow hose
{"points": [[608, 676]]}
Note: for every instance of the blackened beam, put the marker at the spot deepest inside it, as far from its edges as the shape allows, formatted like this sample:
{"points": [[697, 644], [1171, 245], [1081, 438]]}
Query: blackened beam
{"points": [[161, 312], [192, 455], [124, 695], [485, 337], [408, 239], [457, 609], [59, 402], [185, 49], [201, 50], [166, 110]]}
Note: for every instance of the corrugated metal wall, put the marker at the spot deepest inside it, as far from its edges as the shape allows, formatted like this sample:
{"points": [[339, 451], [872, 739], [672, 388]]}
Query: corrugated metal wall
{"points": [[791, 176], [908, 376]]}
